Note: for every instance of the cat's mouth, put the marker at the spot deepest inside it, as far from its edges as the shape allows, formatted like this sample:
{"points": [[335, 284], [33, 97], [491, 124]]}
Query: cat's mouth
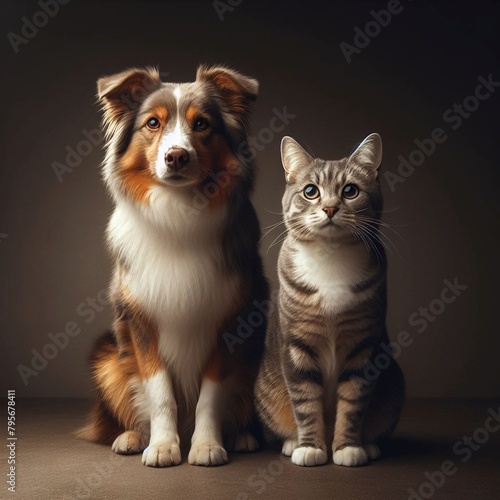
{"points": [[330, 228], [329, 223]]}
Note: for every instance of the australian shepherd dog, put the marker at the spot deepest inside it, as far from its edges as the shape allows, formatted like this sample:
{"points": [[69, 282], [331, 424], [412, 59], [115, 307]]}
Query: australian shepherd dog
{"points": [[187, 271]]}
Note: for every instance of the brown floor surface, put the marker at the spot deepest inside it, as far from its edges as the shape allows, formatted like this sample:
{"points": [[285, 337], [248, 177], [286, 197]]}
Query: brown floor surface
{"points": [[53, 465]]}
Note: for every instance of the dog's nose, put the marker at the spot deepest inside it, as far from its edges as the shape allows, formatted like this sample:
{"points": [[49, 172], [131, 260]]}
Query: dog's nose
{"points": [[329, 211], [176, 158]]}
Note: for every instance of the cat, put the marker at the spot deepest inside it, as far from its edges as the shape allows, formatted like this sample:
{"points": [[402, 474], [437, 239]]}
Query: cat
{"points": [[330, 323]]}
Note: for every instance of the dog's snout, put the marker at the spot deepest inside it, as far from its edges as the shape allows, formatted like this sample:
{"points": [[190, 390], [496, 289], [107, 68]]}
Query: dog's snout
{"points": [[176, 158]]}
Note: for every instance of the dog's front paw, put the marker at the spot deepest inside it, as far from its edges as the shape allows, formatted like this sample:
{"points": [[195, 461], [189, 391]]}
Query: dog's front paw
{"points": [[208, 453], [350, 456], [373, 451], [309, 456], [245, 443], [162, 454]]}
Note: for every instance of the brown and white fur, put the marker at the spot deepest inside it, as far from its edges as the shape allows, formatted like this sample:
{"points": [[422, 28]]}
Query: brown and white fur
{"points": [[314, 382], [184, 236]]}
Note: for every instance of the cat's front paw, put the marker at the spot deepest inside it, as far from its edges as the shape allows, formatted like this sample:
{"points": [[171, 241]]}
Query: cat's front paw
{"points": [[208, 454], [307, 456], [350, 456], [162, 454]]}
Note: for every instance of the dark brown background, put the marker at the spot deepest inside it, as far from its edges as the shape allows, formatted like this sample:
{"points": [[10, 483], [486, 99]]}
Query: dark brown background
{"points": [[427, 59]]}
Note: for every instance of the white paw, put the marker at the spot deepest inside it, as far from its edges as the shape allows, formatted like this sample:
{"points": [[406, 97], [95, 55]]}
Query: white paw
{"points": [[209, 453], [309, 456], [350, 456], [128, 443], [162, 454], [288, 446], [373, 451], [245, 442]]}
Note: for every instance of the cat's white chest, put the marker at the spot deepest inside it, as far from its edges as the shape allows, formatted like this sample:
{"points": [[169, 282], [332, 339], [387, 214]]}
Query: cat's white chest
{"points": [[332, 270]]}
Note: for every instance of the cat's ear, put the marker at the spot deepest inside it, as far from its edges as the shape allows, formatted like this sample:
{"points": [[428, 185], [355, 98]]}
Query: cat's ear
{"points": [[294, 157], [369, 152]]}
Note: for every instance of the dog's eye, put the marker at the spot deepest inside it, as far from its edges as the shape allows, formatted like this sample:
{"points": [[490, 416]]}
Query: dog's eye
{"points": [[350, 191], [201, 124], [153, 123], [311, 192]]}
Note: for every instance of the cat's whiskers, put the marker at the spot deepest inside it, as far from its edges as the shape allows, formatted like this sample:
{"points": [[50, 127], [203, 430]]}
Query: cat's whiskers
{"points": [[375, 232], [298, 228], [272, 227], [374, 221], [295, 225], [292, 219], [300, 233], [366, 238], [388, 211], [274, 213]]}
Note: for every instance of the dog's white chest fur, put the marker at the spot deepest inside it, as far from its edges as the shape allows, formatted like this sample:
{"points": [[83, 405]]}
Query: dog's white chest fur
{"points": [[176, 277], [332, 270]]}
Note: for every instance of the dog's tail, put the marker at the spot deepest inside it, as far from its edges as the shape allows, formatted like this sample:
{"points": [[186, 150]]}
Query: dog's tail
{"points": [[102, 426]]}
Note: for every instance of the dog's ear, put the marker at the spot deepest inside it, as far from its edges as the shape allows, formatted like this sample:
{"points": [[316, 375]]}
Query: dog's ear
{"points": [[122, 94], [236, 90]]}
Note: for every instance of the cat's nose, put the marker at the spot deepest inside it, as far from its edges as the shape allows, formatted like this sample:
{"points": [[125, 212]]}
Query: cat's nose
{"points": [[329, 211]]}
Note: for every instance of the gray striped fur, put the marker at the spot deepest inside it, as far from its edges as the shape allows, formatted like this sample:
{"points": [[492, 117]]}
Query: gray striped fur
{"points": [[313, 385]]}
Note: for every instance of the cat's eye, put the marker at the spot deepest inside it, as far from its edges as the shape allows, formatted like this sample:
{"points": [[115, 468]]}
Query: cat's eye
{"points": [[201, 124], [350, 191], [153, 123], [311, 192]]}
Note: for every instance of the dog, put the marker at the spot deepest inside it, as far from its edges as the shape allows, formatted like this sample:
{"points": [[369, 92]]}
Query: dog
{"points": [[187, 271]]}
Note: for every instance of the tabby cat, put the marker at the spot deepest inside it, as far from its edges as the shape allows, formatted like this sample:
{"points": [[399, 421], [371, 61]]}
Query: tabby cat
{"points": [[315, 382]]}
